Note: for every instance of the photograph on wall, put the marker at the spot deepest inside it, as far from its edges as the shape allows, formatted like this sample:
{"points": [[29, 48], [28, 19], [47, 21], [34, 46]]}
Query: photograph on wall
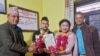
{"points": [[2, 6]]}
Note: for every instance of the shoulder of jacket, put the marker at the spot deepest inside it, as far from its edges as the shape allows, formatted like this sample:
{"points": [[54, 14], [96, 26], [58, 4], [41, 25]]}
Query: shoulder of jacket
{"points": [[3, 26], [91, 28], [50, 31], [37, 32], [71, 33]]}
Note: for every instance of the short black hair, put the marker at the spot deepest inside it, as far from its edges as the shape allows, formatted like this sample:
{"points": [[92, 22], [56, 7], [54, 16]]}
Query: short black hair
{"points": [[45, 18], [65, 20]]}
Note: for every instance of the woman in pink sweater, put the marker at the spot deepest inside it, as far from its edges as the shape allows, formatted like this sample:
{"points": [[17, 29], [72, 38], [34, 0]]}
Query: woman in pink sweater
{"points": [[66, 42]]}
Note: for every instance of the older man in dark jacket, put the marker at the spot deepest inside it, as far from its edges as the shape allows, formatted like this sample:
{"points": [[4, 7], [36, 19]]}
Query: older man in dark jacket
{"points": [[87, 37], [11, 38]]}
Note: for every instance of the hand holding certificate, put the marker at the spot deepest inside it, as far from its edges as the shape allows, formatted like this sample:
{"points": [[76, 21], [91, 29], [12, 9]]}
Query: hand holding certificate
{"points": [[39, 43], [50, 42]]}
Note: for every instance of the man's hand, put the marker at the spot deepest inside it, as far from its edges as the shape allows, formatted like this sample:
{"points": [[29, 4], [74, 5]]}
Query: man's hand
{"points": [[32, 48], [45, 50]]}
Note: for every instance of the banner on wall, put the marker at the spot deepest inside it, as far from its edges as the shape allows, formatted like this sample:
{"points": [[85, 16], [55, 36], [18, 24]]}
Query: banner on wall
{"points": [[69, 11]]}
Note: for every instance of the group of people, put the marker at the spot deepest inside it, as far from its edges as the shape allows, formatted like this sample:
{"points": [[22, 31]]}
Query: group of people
{"points": [[83, 40]]}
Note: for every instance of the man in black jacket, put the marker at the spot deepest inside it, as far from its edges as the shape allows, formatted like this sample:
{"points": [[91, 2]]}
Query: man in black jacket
{"points": [[43, 30]]}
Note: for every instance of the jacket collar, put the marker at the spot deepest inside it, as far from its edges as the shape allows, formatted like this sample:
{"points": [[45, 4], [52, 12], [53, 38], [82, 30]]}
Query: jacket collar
{"points": [[9, 25], [82, 27], [41, 31]]}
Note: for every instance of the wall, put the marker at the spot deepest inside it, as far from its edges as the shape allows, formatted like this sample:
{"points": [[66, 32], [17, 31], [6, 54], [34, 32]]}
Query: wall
{"points": [[35, 5], [54, 10]]}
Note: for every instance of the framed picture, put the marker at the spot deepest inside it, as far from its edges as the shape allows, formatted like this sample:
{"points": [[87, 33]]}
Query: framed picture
{"points": [[28, 19], [3, 6]]}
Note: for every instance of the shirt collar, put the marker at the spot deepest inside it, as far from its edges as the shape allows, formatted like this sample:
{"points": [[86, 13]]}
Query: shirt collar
{"points": [[83, 26], [42, 32]]}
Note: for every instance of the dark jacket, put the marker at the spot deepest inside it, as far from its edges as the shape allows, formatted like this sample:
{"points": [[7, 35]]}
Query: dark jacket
{"points": [[11, 42], [38, 32], [33, 39], [91, 40]]}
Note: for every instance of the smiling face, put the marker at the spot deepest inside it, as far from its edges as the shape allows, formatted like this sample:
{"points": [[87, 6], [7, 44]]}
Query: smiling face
{"points": [[64, 27]]}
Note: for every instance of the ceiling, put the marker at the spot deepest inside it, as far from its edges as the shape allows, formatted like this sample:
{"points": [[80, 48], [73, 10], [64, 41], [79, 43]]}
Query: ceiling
{"points": [[83, 2], [76, 1]]}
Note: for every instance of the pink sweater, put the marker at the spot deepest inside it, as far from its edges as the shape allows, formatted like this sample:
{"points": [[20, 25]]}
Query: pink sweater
{"points": [[72, 42]]}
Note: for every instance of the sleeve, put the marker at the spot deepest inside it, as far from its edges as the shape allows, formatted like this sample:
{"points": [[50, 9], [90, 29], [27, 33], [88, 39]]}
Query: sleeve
{"points": [[7, 41], [33, 38], [96, 42], [71, 42], [75, 50]]}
